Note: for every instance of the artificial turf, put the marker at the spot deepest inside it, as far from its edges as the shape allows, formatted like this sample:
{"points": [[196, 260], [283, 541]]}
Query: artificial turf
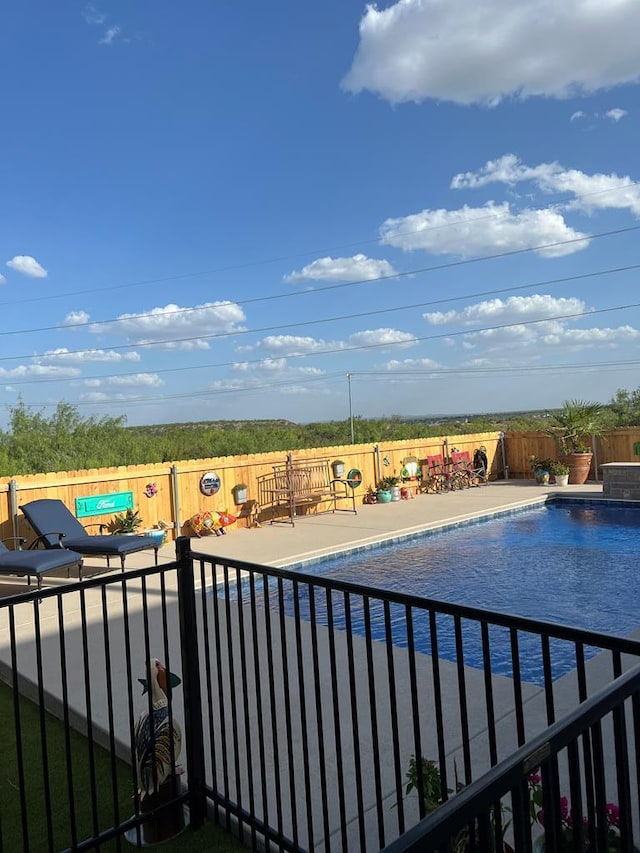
{"points": [[113, 788]]}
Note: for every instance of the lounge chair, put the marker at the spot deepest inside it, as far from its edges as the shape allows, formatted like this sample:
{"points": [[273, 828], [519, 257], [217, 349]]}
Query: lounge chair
{"points": [[57, 527], [37, 563]]}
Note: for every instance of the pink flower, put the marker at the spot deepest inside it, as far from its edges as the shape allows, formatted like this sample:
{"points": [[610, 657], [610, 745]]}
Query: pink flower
{"points": [[535, 778], [613, 814], [564, 809]]}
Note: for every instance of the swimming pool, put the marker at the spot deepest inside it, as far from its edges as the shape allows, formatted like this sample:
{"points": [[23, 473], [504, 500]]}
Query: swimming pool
{"points": [[568, 561]]}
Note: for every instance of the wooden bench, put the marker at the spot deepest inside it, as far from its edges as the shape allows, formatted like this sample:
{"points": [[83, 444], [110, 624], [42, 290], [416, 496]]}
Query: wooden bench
{"points": [[302, 487]]}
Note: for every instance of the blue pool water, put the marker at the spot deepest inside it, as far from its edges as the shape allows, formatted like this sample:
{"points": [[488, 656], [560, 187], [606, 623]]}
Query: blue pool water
{"points": [[572, 562], [569, 562]]}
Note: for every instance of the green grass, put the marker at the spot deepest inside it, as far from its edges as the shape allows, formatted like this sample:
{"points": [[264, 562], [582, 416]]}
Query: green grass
{"points": [[210, 837]]}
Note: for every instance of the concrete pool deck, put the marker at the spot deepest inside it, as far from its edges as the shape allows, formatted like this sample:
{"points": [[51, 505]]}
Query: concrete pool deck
{"points": [[315, 536]]}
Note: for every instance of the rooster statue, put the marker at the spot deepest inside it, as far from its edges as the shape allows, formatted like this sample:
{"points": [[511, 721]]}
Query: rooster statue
{"points": [[155, 756]]}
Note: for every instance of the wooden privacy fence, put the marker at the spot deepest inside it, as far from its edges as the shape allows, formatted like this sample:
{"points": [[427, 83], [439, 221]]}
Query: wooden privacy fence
{"points": [[617, 445], [171, 492]]}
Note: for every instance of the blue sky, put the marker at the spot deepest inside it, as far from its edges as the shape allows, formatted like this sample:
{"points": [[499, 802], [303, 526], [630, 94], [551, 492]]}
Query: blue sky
{"points": [[220, 210]]}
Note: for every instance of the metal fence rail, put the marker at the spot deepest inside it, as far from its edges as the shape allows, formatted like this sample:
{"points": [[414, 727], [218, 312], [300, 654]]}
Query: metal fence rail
{"points": [[317, 696], [77, 651], [303, 701], [570, 757]]}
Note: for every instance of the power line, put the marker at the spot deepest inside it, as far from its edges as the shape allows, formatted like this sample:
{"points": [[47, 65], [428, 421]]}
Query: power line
{"points": [[339, 318], [419, 271], [364, 242], [385, 376], [390, 344]]}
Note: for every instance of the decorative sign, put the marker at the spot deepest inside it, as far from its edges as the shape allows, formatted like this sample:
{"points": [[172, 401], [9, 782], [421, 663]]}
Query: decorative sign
{"points": [[209, 483], [104, 504], [354, 478]]}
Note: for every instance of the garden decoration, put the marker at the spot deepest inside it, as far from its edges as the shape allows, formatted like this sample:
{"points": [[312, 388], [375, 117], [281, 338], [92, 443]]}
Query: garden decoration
{"points": [[158, 741], [338, 468], [150, 490], [210, 483], [210, 521], [354, 478], [240, 491]]}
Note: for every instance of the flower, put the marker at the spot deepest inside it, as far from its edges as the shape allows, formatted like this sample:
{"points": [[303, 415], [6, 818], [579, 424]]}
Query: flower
{"points": [[150, 490], [612, 813]]}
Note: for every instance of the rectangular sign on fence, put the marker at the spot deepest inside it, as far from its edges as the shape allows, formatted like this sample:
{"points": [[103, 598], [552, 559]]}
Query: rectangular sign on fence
{"points": [[103, 504]]}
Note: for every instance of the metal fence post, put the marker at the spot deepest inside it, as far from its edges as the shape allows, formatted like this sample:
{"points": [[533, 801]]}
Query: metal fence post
{"points": [[194, 736]]}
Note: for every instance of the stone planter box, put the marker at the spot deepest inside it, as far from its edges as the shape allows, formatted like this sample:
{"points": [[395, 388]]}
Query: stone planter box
{"points": [[621, 480]]}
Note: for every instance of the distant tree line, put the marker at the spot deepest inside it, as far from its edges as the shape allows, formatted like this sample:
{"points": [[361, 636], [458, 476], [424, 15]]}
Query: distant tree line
{"points": [[66, 441]]}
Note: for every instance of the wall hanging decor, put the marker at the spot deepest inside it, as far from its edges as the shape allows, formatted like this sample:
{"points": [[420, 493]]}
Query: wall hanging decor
{"points": [[209, 483], [354, 478]]}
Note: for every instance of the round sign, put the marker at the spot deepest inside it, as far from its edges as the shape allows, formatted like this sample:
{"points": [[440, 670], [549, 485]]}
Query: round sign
{"points": [[354, 478], [209, 483]]}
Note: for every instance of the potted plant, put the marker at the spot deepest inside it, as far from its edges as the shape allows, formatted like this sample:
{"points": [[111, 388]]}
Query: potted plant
{"points": [[125, 522], [338, 468], [560, 472], [427, 775], [387, 487], [541, 469], [240, 493], [567, 821], [571, 427]]}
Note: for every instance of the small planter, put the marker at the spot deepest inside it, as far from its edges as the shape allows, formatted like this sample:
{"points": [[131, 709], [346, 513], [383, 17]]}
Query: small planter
{"points": [[338, 468], [396, 493], [384, 496], [542, 478], [239, 494], [562, 479]]}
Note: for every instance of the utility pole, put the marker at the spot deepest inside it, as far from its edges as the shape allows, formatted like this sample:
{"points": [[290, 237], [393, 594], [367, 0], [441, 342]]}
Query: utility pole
{"points": [[350, 409]]}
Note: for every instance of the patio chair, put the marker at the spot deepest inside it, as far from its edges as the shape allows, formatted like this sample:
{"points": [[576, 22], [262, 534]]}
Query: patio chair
{"points": [[434, 475], [36, 563], [57, 527]]}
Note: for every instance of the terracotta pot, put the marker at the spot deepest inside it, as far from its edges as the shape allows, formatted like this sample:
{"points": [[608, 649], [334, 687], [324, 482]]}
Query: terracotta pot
{"points": [[579, 466]]}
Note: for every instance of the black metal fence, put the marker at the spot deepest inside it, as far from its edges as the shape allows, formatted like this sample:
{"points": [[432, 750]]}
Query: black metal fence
{"points": [[527, 788], [305, 702]]}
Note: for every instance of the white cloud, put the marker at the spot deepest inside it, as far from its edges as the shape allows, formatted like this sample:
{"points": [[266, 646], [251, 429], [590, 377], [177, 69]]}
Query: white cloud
{"points": [[173, 327], [578, 114], [357, 268], [135, 380], [592, 338], [616, 114], [268, 367], [110, 35], [472, 231], [26, 265], [76, 318], [296, 345], [2, 279], [413, 364], [591, 191], [93, 15], [512, 310], [104, 397], [382, 337], [480, 51], [90, 355], [27, 371]]}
